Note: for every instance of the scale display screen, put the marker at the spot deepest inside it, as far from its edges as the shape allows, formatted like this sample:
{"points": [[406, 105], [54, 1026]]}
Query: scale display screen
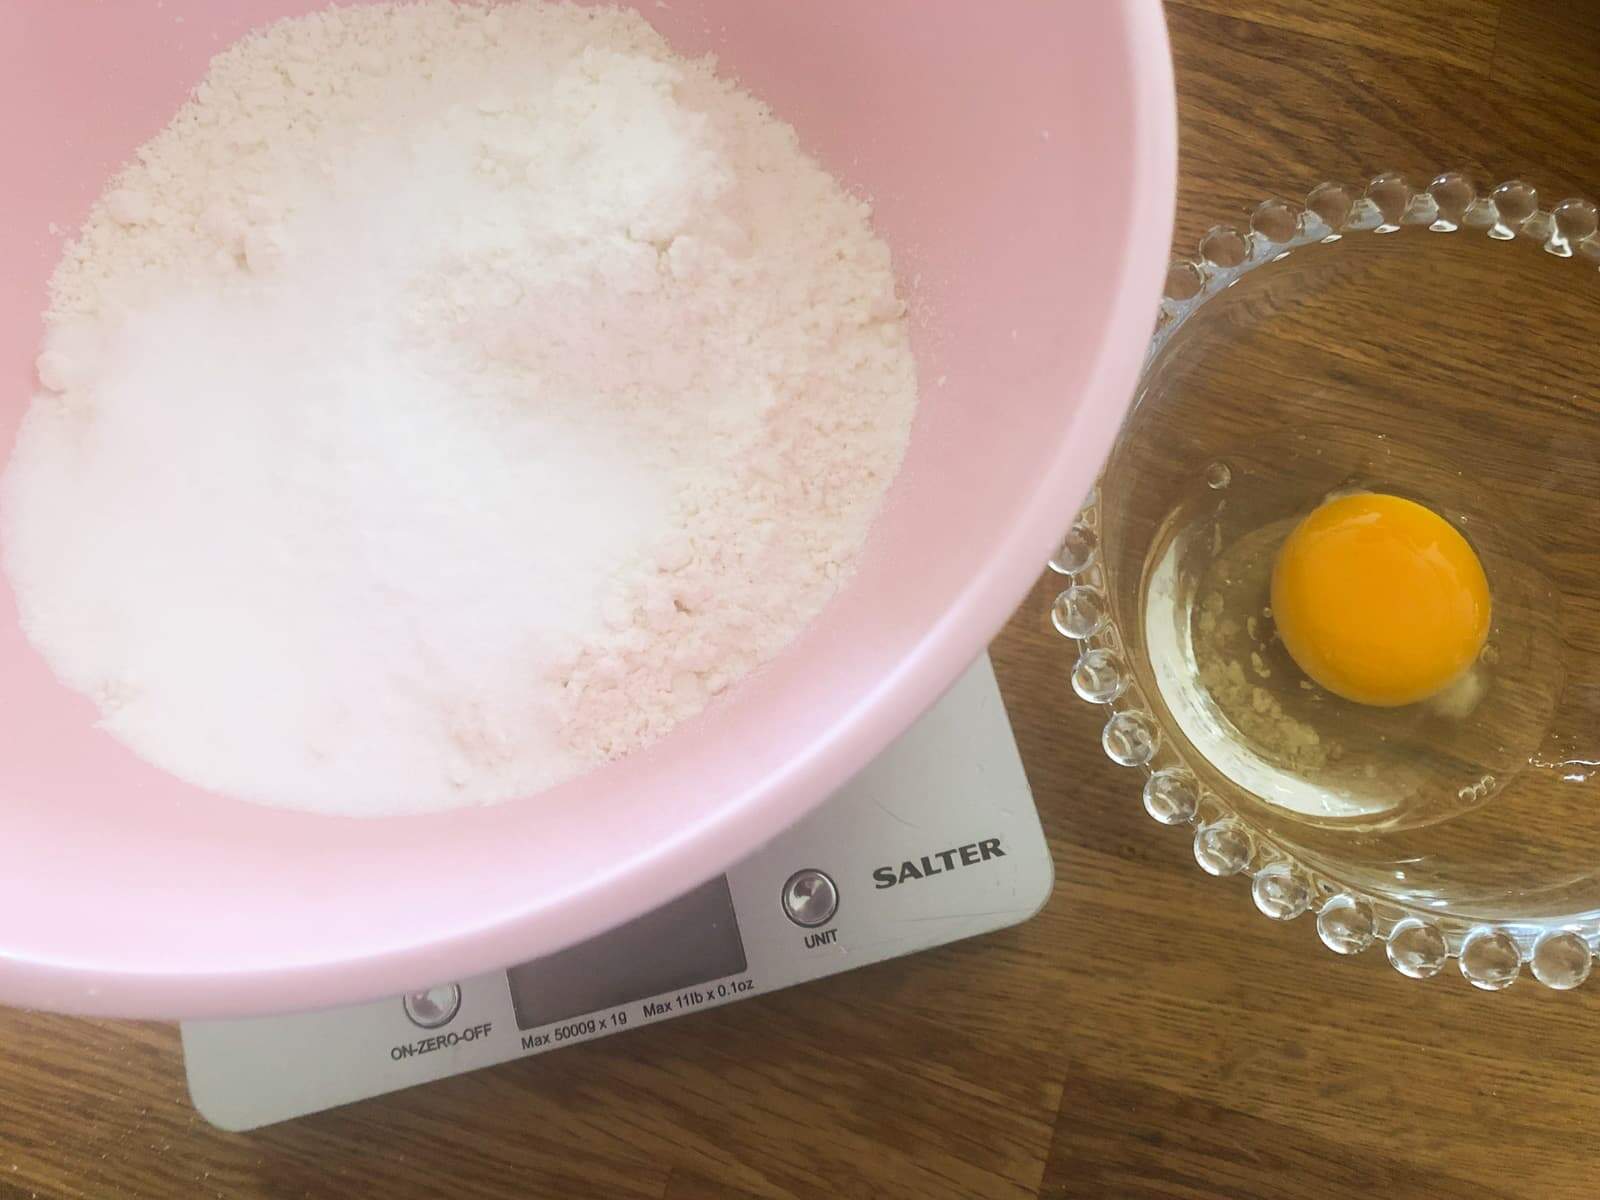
{"points": [[694, 939]]}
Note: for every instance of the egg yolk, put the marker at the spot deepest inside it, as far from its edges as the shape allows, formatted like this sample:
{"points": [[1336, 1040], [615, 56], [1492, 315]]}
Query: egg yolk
{"points": [[1380, 600]]}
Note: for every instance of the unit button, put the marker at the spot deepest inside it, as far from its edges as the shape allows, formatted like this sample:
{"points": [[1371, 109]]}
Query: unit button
{"points": [[810, 898], [435, 1007]]}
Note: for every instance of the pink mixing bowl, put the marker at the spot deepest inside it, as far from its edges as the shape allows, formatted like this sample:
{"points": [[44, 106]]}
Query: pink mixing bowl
{"points": [[1021, 159]]}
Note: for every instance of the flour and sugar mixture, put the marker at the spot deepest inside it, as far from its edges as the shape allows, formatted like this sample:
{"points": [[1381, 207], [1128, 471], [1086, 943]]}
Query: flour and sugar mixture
{"points": [[448, 400]]}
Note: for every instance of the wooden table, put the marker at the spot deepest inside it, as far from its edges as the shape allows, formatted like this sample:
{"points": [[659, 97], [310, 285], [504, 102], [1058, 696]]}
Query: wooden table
{"points": [[1148, 1035]]}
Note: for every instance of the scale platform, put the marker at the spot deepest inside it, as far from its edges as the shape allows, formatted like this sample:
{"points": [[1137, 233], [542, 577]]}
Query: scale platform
{"points": [[937, 840]]}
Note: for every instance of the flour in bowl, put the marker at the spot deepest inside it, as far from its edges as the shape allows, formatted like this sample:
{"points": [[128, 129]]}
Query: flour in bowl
{"points": [[450, 399]]}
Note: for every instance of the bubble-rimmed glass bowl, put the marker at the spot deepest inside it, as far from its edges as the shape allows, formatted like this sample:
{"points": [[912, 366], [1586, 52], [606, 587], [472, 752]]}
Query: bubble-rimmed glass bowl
{"points": [[1435, 341]]}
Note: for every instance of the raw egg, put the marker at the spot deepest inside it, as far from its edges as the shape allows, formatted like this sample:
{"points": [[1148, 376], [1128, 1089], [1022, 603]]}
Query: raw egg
{"points": [[1380, 600]]}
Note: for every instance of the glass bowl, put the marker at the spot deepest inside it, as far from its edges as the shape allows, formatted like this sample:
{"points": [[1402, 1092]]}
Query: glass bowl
{"points": [[1436, 343]]}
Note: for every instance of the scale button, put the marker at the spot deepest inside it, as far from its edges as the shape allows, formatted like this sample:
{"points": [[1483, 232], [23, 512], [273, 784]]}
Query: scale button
{"points": [[435, 1007], [810, 898]]}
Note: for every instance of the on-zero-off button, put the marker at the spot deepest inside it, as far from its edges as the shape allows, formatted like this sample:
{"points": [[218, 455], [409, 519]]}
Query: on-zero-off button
{"points": [[810, 898], [435, 1007]]}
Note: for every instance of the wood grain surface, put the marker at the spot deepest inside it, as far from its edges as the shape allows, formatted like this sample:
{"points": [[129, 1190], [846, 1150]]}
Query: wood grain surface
{"points": [[1147, 1035]]}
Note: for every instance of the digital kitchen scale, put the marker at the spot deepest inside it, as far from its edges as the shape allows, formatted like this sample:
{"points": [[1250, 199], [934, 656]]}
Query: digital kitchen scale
{"points": [[937, 840]]}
